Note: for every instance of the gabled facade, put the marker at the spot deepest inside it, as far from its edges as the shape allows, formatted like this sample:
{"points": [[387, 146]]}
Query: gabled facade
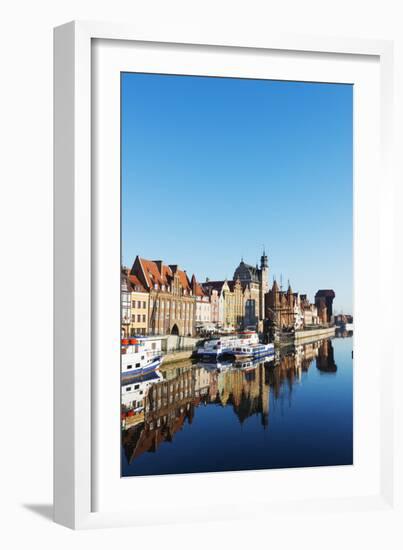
{"points": [[256, 279], [172, 305], [203, 305], [283, 308]]}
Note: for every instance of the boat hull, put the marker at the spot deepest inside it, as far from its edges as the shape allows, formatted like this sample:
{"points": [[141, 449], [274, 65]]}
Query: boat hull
{"points": [[142, 370], [254, 353]]}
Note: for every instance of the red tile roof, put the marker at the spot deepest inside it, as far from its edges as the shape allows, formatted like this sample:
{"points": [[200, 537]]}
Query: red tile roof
{"points": [[197, 287], [136, 283], [183, 278], [214, 285], [156, 272]]}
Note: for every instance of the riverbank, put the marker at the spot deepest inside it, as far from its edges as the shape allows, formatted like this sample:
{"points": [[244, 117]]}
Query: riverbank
{"points": [[305, 336], [299, 337]]}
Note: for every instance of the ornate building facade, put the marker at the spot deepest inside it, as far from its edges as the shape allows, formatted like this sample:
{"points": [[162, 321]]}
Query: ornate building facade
{"points": [[241, 301], [172, 305], [309, 312], [255, 283], [283, 308]]}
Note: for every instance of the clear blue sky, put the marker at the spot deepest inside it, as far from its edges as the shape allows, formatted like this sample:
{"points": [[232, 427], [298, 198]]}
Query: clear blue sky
{"points": [[213, 168]]}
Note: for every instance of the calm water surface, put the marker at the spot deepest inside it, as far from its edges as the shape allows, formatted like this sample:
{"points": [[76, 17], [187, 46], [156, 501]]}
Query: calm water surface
{"points": [[293, 411]]}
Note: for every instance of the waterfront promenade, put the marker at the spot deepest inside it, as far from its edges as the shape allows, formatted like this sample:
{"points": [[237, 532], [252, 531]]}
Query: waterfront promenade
{"points": [[187, 347]]}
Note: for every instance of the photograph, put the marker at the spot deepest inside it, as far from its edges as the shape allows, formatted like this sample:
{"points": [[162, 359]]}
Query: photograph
{"points": [[236, 271]]}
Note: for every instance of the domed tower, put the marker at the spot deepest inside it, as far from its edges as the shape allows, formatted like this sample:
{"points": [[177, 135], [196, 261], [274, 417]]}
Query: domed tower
{"points": [[264, 281]]}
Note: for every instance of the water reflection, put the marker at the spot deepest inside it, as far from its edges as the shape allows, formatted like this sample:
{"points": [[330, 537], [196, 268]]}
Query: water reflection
{"points": [[156, 407]]}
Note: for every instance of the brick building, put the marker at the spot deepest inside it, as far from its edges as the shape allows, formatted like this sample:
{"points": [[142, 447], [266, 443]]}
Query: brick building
{"points": [[283, 307], [324, 303], [172, 305]]}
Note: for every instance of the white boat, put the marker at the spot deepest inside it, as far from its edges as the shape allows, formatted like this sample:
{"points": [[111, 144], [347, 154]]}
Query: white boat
{"points": [[140, 355], [218, 347], [254, 351]]}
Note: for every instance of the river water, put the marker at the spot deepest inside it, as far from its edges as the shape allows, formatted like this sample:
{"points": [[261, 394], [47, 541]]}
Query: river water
{"points": [[295, 410]]}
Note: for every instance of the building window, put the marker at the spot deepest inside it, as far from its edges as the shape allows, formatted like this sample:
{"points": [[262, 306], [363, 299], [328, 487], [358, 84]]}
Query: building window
{"points": [[144, 305], [144, 318], [138, 318]]}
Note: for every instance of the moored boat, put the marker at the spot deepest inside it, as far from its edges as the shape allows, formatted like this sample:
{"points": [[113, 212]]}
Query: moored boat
{"points": [[254, 351], [214, 348], [139, 357]]}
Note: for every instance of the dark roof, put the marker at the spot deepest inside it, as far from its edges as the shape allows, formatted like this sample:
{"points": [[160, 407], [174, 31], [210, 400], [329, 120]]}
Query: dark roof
{"points": [[231, 284], [327, 293], [156, 272], [250, 267], [214, 285], [136, 283]]}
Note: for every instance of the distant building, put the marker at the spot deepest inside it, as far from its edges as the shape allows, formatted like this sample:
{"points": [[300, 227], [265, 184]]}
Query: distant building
{"points": [[239, 303], [324, 303], [229, 296], [254, 280], [203, 306], [309, 312], [341, 319], [283, 308], [214, 305]]}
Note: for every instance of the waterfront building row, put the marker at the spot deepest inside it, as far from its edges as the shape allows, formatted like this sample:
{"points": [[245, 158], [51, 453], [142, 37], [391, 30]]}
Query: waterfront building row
{"points": [[161, 299]]}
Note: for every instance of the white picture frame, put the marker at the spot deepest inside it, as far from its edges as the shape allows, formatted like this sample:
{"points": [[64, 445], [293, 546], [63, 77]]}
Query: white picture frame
{"points": [[85, 495]]}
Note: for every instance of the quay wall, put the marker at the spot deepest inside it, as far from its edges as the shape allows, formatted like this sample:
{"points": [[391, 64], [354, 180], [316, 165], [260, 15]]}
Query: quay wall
{"points": [[173, 343], [307, 335]]}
